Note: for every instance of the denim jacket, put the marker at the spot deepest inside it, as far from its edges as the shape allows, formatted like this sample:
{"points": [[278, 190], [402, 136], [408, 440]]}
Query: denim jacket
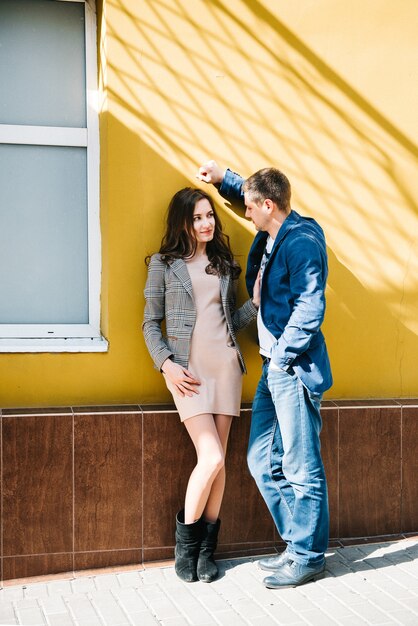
{"points": [[292, 292]]}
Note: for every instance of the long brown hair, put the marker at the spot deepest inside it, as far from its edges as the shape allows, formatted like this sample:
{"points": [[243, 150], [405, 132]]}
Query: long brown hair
{"points": [[179, 241]]}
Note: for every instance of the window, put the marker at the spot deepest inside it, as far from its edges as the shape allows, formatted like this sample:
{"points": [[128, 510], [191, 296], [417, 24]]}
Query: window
{"points": [[49, 177]]}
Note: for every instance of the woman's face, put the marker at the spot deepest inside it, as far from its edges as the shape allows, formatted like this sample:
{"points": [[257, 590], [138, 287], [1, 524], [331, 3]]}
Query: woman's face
{"points": [[203, 221]]}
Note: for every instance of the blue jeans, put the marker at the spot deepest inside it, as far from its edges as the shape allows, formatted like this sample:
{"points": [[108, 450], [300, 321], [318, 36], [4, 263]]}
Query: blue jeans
{"points": [[284, 458]]}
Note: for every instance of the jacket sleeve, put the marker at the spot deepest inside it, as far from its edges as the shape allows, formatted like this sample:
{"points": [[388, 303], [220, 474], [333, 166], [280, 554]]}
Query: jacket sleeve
{"points": [[307, 274], [155, 312], [231, 187], [244, 315]]}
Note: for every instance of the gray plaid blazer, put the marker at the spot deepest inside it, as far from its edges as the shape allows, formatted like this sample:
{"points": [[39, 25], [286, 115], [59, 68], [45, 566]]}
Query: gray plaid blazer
{"points": [[169, 295]]}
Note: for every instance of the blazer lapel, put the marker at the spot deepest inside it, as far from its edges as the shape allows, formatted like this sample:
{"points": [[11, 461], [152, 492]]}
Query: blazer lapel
{"points": [[224, 286], [179, 267]]}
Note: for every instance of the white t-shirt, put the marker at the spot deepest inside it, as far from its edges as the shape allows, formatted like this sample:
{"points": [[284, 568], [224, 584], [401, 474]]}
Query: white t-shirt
{"points": [[265, 338]]}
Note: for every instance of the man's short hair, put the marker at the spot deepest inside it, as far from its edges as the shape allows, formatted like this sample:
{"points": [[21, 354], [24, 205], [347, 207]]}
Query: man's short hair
{"points": [[269, 183]]}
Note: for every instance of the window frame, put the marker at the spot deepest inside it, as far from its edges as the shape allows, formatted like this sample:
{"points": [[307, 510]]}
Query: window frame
{"points": [[43, 335]]}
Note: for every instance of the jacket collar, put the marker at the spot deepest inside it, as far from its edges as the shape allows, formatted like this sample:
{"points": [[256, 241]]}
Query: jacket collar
{"points": [[261, 237], [179, 267], [290, 222]]}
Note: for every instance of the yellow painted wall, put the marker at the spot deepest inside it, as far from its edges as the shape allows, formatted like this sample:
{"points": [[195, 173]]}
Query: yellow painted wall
{"points": [[325, 90]]}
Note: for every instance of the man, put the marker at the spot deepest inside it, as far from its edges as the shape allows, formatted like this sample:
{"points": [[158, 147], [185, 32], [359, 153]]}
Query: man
{"points": [[289, 256]]}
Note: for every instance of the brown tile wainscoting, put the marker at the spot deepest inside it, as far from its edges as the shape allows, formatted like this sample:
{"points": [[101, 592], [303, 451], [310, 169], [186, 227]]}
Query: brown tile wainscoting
{"points": [[94, 487]]}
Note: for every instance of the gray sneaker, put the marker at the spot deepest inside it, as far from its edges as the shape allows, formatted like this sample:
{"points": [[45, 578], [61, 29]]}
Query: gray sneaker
{"points": [[273, 563], [292, 574]]}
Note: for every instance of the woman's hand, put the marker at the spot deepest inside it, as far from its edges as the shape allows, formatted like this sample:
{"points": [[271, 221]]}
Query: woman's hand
{"points": [[257, 291], [183, 380]]}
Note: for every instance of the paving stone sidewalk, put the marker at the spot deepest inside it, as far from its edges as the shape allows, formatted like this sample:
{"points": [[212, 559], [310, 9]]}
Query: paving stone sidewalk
{"points": [[366, 584]]}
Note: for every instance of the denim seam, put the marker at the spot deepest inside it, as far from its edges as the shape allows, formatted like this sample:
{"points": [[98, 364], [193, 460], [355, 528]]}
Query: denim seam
{"points": [[273, 430], [302, 407]]}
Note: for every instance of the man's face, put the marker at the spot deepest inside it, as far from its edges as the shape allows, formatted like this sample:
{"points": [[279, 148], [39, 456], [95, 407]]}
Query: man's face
{"points": [[258, 213]]}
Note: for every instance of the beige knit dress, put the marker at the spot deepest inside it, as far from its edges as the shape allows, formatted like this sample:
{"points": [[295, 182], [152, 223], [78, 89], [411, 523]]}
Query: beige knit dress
{"points": [[213, 359]]}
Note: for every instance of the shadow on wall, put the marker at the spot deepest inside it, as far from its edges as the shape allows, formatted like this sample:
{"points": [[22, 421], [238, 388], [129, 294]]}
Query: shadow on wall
{"points": [[190, 88], [324, 69], [366, 338]]}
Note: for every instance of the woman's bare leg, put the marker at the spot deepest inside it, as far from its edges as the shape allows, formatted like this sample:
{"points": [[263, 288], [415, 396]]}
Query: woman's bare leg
{"points": [[213, 504], [207, 482], [210, 460]]}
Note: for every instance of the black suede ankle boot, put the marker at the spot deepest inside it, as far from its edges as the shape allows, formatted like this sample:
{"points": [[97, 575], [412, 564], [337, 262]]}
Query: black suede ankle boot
{"points": [[207, 570], [188, 538]]}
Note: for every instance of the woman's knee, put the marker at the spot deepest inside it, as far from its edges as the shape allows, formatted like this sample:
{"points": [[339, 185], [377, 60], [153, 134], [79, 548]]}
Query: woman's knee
{"points": [[212, 463]]}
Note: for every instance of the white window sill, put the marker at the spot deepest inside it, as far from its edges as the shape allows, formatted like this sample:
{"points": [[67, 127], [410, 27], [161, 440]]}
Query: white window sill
{"points": [[78, 344]]}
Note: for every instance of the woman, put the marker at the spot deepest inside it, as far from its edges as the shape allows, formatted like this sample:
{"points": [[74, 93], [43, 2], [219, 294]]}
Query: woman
{"points": [[191, 284]]}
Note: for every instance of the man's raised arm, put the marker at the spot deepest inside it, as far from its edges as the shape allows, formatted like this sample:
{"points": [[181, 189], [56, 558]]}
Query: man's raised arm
{"points": [[228, 183]]}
